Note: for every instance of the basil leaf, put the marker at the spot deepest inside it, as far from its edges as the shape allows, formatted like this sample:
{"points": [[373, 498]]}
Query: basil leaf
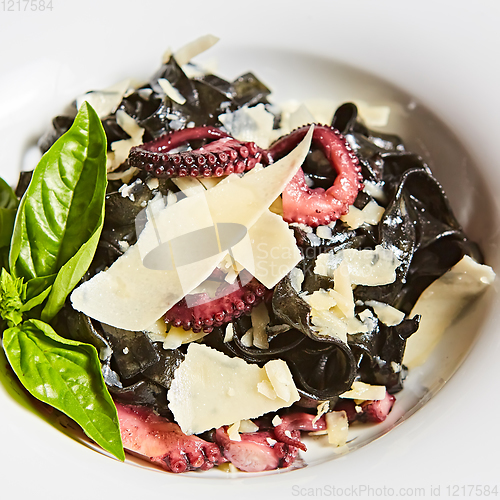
{"points": [[36, 301], [8, 198], [8, 209], [66, 375], [15, 390], [69, 275], [36, 286], [63, 205]]}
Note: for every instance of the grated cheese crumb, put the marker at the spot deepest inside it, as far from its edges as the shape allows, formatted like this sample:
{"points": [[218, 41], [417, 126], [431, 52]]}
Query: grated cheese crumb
{"points": [[276, 420]]}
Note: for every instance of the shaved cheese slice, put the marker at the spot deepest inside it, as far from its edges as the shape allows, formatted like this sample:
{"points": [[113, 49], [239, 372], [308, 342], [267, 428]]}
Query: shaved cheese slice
{"points": [[171, 91], [247, 426], [194, 48], [105, 101], [441, 302], [321, 409], [300, 117], [296, 279], [281, 379], [333, 311], [371, 214], [375, 190], [389, 315], [229, 333], [198, 396], [373, 116], [254, 124], [265, 387], [337, 426], [233, 431], [210, 182], [342, 285], [175, 337], [190, 186], [366, 267], [132, 296], [121, 149], [322, 109], [365, 392], [260, 319], [269, 251]]}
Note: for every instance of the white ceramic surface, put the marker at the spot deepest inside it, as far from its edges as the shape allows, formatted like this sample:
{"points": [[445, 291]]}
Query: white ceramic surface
{"points": [[439, 55]]}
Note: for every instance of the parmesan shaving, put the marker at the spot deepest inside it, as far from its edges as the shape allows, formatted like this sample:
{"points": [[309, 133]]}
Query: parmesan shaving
{"points": [[171, 91], [276, 420], [194, 48], [121, 149], [265, 388], [250, 124], [260, 319], [371, 214], [233, 431], [366, 267], [228, 337], [441, 302], [247, 427], [280, 378], [198, 396], [247, 339], [364, 392], [389, 315], [337, 427], [105, 101], [321, 409]]}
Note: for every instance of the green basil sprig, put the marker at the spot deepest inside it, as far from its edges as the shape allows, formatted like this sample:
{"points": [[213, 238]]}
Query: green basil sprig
{"points": [[60, 217], [62, 373], [54, 238]]}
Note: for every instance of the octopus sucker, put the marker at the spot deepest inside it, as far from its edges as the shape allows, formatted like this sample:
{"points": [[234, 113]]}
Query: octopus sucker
{"points": [[230, 302], [223, 156], [316, 207]]}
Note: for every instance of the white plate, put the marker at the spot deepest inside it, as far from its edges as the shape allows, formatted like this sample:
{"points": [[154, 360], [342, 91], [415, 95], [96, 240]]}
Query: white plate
{"points": [[441, 56]]}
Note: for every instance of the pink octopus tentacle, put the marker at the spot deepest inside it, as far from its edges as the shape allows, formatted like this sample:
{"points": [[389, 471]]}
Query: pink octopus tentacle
{"points": [[231, 301], [224, 156], [315, 207], [288, 431], [256, 451], [147, 434]]}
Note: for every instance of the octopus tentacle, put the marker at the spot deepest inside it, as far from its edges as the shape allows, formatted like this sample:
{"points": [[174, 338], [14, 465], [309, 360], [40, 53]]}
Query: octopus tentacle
{"points": [[288, 431], [269, 447], [147, 434], [367, 411], [256, 451], [316, 207], [224, 156], [230, 302]]}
